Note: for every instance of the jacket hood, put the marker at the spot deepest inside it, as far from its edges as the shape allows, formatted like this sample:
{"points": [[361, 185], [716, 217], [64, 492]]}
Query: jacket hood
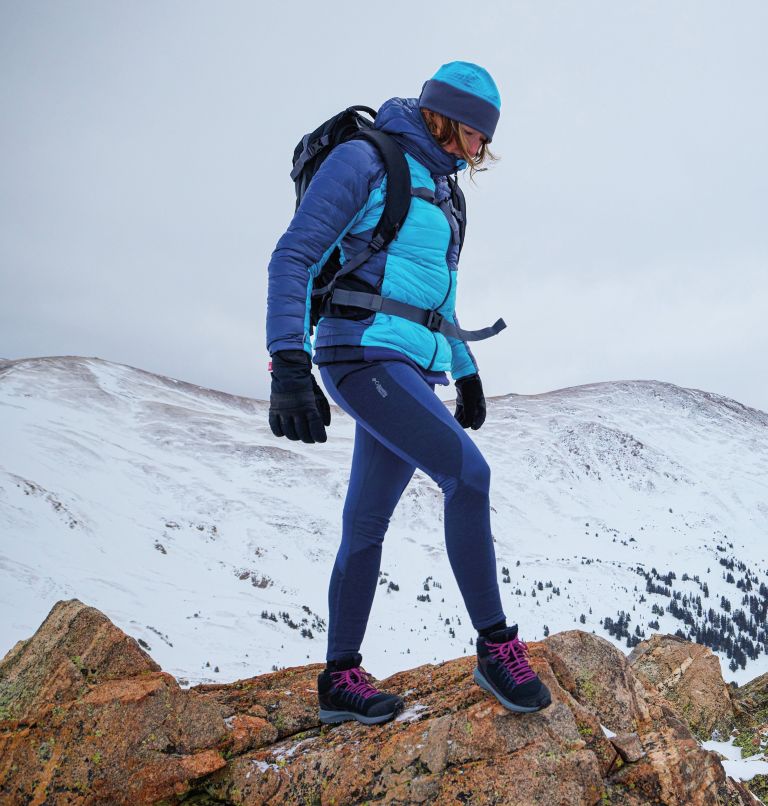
{"points": [[402, 118]]}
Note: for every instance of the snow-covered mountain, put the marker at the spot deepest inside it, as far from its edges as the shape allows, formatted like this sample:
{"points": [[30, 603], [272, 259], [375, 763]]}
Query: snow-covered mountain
{"points": [[174, 510]]}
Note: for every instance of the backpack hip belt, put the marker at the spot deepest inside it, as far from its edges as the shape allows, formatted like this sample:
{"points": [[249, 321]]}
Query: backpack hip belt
{"points": [[430, 319]]}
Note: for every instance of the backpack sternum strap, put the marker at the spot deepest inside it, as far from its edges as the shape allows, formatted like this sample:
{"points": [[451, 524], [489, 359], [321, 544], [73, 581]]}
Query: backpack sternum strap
{"points": [[430, 319]]}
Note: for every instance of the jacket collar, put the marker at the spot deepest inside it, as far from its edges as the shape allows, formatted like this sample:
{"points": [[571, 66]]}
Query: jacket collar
{"points": [[401, 117]]}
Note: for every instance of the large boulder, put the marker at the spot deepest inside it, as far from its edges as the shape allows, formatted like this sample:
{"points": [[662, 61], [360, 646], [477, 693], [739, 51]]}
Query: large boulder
{"points": [[75, 647], [88, 717], [689, 676], [122, 732]]}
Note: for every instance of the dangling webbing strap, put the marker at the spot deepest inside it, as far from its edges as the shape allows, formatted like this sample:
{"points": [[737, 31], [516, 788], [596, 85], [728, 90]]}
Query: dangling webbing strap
{"points": [[432, 320]]}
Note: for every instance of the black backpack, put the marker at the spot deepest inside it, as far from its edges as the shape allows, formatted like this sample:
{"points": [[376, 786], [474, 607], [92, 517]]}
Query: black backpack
{"points": [[309, 155], [354, 298]]}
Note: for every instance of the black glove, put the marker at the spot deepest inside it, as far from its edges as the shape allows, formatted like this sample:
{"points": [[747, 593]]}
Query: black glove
{"points": [[470, 402], [298, 409]]}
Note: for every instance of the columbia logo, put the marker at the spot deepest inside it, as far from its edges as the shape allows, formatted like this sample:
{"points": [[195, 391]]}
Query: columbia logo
{"points": [[379, 388]]}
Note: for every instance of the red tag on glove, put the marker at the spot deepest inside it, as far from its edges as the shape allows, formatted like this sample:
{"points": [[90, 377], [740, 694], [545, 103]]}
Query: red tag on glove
{"points": [[269, 365]]}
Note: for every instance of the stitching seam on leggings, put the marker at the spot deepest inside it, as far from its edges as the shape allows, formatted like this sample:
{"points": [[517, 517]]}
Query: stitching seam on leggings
{"points": [[351, 372]]}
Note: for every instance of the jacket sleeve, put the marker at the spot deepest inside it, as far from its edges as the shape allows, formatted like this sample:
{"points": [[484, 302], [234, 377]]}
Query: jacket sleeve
{"points": [[335, 199], [462, 360]]}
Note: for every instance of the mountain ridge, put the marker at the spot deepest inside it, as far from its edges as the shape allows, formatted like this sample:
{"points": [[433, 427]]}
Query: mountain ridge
{"points": [[135, 491], [6, 363]]}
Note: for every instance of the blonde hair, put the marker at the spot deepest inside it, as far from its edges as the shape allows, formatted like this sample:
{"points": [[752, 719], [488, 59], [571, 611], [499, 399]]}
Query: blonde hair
{"points": [[445, 130]]}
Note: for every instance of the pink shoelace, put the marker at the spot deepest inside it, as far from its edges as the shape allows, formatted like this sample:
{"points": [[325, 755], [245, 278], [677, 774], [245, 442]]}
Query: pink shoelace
{"points": [[514, 658], [355, 681]]}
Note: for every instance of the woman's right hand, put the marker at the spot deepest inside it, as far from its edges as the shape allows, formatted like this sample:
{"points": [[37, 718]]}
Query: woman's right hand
{"points": [[298, 409]]}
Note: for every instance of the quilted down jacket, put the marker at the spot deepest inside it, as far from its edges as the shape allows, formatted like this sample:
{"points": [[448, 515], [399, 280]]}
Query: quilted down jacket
{"points": [[340, 209]]}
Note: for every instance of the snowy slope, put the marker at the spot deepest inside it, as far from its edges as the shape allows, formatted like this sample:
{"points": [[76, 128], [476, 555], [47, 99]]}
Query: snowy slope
{"points": [[174, 510]]}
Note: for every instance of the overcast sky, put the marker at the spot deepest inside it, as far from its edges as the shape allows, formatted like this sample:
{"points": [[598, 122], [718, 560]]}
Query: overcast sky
{"points": [[145, 149]]}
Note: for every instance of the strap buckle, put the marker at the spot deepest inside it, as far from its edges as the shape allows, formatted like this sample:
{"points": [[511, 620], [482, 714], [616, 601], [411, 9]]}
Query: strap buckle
{"points": [[434, 321], [376, 243]]}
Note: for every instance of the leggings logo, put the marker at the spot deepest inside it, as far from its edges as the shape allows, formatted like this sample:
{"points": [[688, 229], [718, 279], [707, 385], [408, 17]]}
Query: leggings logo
{"points": [[379, 388]]}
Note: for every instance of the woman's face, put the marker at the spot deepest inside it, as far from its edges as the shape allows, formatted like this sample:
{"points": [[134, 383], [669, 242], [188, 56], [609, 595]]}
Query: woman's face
{"points": [[473, 138]]}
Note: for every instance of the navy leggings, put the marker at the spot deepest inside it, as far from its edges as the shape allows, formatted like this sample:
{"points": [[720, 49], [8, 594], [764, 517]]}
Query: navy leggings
{"points": [[402, 425]]}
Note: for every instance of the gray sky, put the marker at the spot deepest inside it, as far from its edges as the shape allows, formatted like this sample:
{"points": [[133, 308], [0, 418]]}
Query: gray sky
{"points": [[145, 149]]}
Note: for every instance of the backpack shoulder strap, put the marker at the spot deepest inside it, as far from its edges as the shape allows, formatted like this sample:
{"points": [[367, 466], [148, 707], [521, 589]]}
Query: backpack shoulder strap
{"points": [[459, 207], [398, 197], [397, 202]]}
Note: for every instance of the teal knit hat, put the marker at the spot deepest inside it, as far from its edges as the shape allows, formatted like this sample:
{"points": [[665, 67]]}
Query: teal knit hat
{"points": [[465, 92]]}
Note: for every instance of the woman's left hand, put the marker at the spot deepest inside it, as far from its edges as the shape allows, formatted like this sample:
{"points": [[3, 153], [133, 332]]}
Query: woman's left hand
{"points": [[470, 402]]}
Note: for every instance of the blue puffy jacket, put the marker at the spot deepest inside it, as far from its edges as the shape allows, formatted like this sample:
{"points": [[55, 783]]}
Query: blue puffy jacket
{"points": [[341, 207]]}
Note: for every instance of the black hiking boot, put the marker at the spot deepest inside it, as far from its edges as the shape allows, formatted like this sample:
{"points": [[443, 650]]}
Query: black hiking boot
{"points": [[345, 692], [504, 671]]}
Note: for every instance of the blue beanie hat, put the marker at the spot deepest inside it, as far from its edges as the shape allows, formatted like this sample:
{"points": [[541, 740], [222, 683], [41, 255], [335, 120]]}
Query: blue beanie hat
{"points": [[465, 92]]}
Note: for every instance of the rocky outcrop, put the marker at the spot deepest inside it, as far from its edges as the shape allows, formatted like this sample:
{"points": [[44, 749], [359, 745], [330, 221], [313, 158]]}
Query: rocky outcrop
{"points": [[87, 717], [750, 703], [688, 675], [751, 706]]}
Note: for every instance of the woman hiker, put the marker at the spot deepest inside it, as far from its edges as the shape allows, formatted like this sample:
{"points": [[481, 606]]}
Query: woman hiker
{"points": [[382, 369]]}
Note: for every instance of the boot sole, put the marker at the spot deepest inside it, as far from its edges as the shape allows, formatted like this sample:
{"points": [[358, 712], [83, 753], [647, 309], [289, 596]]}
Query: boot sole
{"points": [[334, 717], [508, 704]]}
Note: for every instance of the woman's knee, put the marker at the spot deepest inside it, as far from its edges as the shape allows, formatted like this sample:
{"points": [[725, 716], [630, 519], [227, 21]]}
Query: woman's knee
{"points": [[364, 528], [476, 473], [475, 479]]}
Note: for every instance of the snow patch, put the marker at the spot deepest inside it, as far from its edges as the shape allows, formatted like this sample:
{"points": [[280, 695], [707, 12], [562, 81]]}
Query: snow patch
{"points": [[742, 769]]}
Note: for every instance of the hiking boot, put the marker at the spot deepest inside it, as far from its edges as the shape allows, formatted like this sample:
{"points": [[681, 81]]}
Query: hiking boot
{"points": [[504, 671], [345, 692]]}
